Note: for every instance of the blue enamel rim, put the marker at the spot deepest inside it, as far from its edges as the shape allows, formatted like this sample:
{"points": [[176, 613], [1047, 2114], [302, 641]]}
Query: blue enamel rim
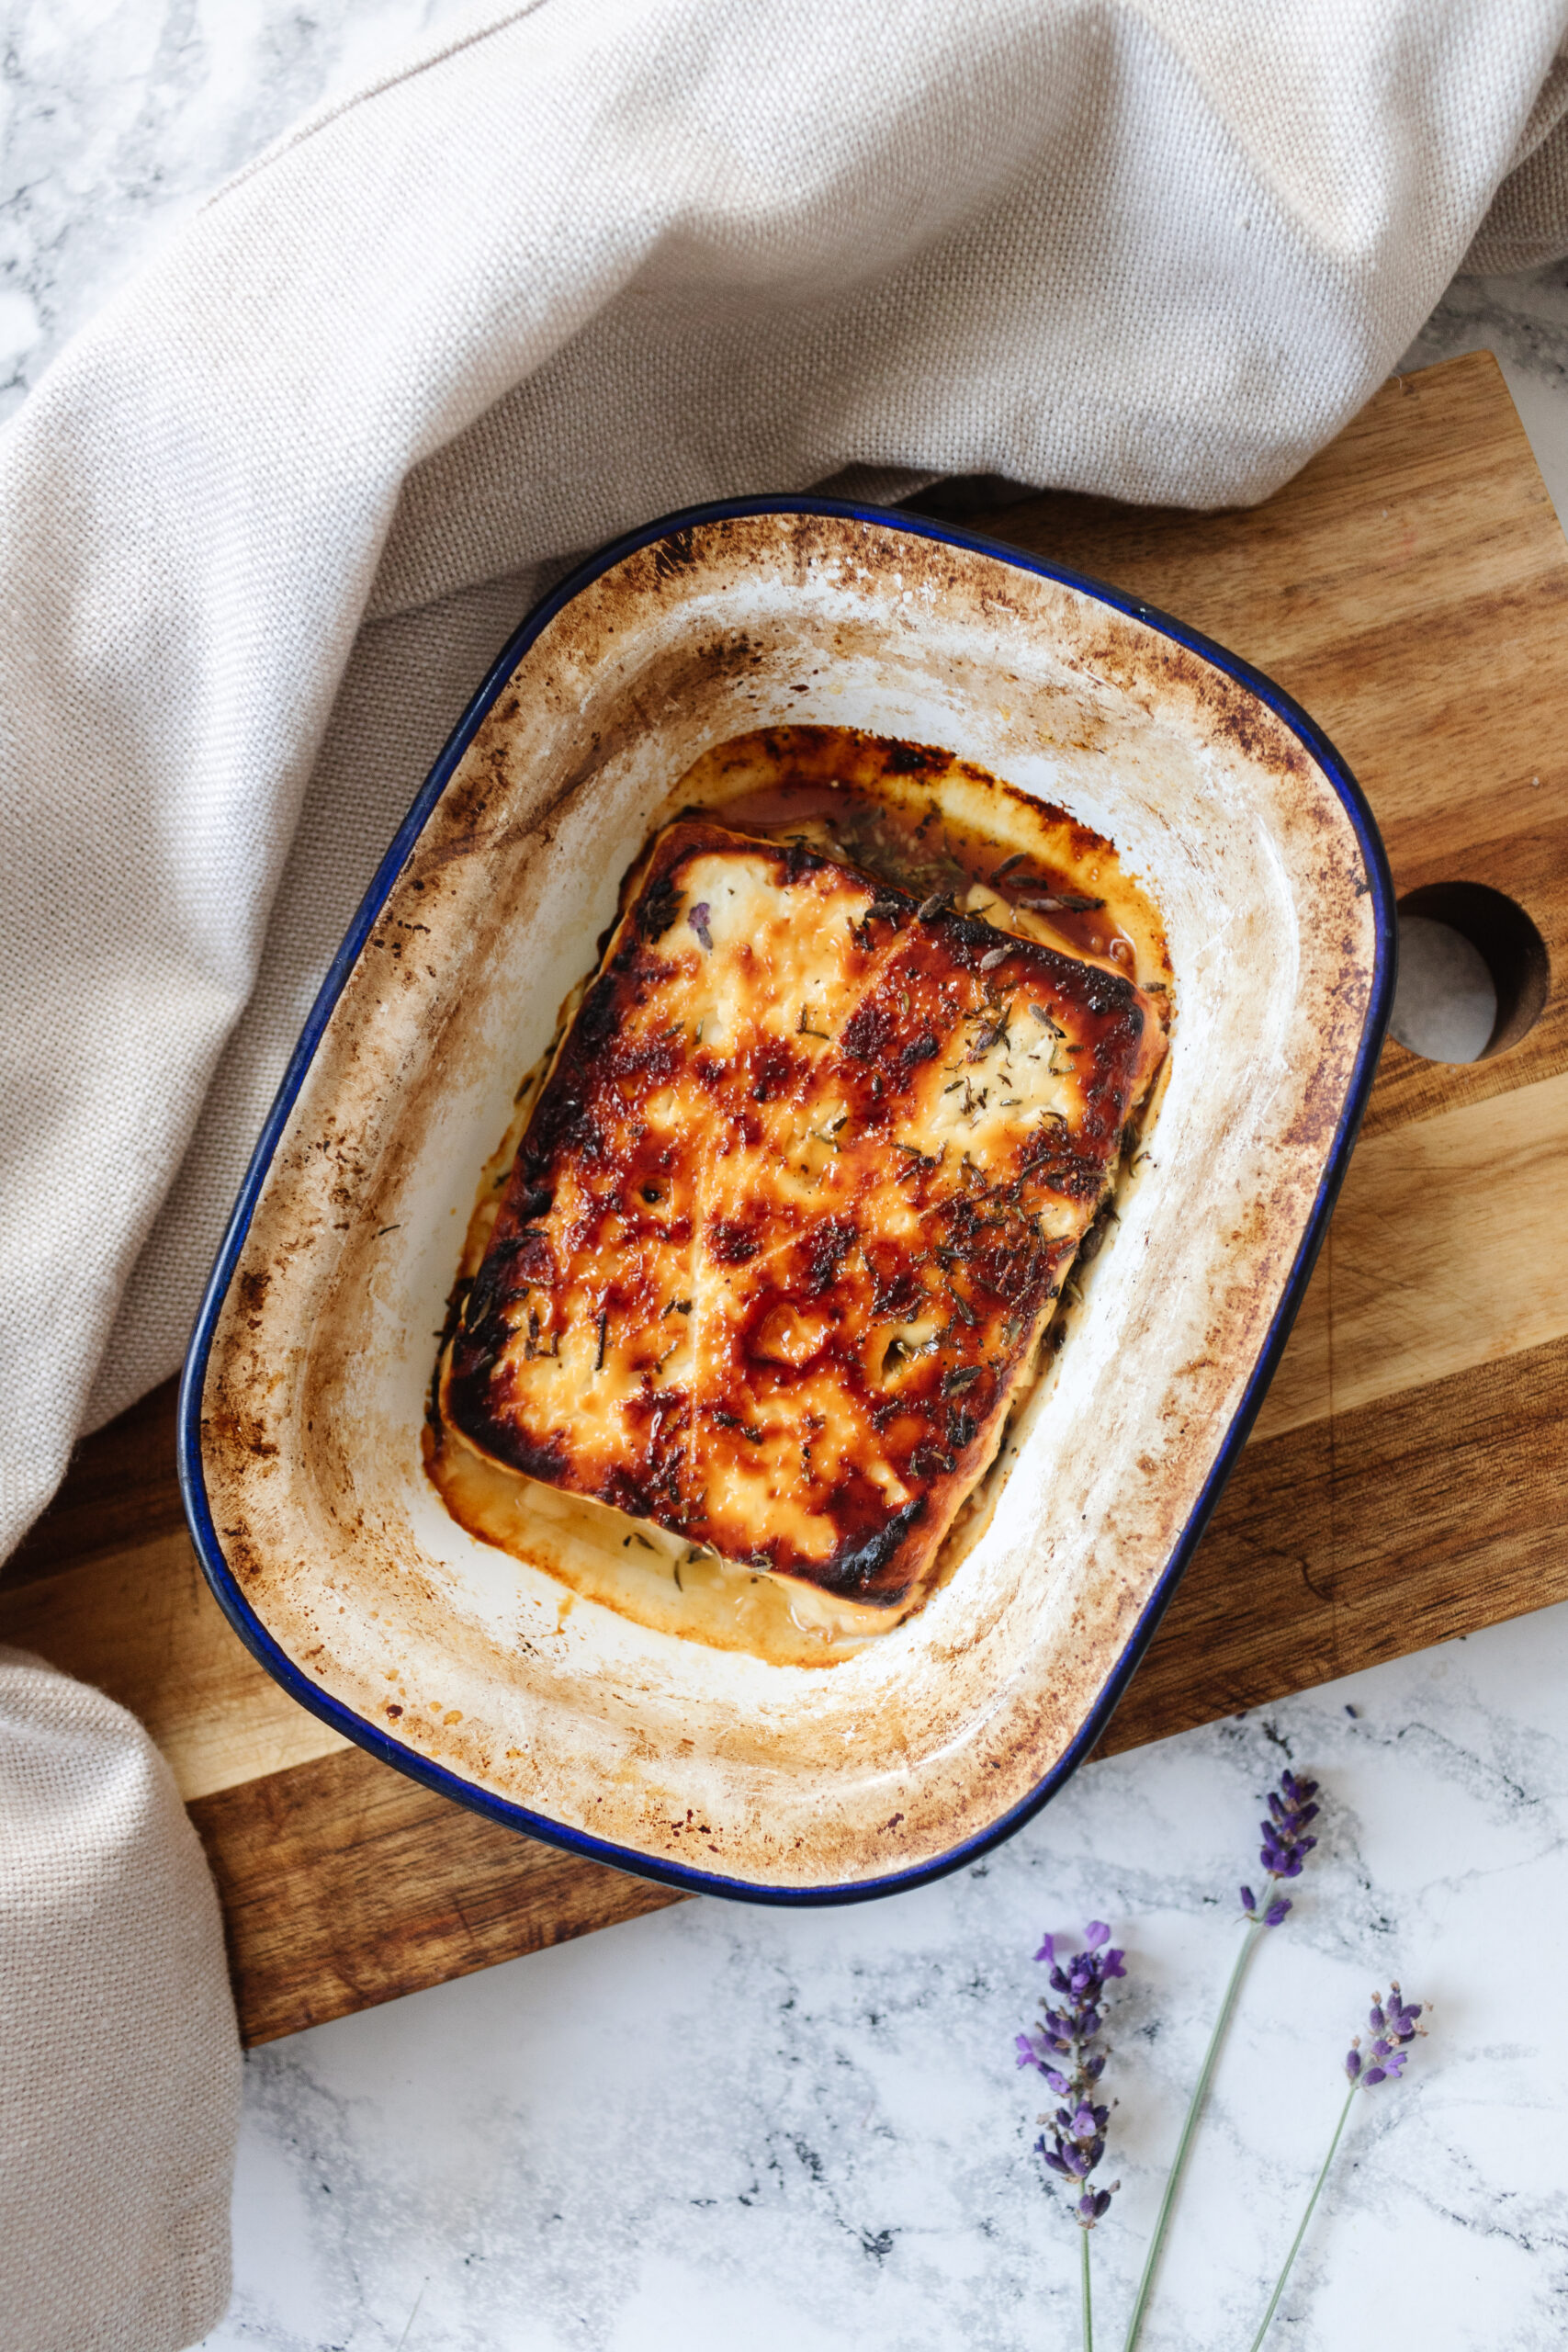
{"points": [[192, 1485]]}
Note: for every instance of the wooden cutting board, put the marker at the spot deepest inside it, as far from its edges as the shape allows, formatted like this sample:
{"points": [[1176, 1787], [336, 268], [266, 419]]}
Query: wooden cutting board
{"points": [[1411, 589]]}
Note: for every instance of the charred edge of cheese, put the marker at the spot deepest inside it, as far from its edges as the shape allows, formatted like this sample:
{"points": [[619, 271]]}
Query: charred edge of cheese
{"points": [[828, 1627], [791, 1211]]}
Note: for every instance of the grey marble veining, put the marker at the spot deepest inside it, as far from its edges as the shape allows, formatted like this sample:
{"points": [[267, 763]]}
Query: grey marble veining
{"points": [[117, 117], [1524, 320], [803, 2131], [722, 2127]]}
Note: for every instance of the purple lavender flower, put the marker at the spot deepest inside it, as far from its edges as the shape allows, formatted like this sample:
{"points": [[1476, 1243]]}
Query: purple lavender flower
{"points": [[1060, 2048], [1285, 1844], [1394, 2027], [1274, 1914], [1094, 2204], [698, 919]]}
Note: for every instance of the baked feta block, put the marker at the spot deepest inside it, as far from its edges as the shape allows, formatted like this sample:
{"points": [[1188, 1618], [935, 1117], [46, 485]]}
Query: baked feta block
{"points": [[791, 1212]]}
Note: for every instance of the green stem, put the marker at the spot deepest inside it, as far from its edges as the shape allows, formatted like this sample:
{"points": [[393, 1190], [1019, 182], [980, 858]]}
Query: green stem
{"points": [[1194, 2109], [1087, 2306], [1311, 2206]]}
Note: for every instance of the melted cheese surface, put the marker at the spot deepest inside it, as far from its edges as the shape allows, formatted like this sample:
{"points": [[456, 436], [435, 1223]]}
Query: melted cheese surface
{"points": [[790, 1212]]}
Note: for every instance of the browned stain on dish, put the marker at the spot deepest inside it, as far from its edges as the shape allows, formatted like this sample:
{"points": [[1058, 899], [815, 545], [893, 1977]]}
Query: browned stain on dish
{"points": [[954, 1723], [783, 1228]]}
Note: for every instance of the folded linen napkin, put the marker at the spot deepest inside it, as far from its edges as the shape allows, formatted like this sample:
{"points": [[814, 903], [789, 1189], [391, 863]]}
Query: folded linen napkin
{"points": [[262, 524], [119, 2069]]}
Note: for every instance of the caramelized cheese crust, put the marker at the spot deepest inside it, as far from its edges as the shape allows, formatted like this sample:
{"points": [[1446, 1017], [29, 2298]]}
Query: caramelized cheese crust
{"points": [[791, 1211]]}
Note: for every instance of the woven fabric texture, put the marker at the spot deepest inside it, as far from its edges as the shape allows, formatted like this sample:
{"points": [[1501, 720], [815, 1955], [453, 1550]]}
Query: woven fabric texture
{"points": [[595, 260], [120, 2068], [265, 522]]}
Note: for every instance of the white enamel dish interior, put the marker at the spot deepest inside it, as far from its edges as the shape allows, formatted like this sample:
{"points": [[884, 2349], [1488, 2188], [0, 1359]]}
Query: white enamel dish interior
{"points": [[307, 1385]]}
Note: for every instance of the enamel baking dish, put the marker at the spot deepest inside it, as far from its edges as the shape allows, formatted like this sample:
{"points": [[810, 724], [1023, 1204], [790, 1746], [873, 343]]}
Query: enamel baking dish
{"points": [[305, 1386]]}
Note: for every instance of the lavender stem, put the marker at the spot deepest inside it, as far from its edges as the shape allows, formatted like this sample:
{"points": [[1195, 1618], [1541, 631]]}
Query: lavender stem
{"points": [[1194, 2109], [1311, 2208], [1087, 2306]]}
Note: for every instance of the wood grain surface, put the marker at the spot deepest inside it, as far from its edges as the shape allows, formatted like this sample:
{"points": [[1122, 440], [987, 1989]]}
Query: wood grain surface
{"points": [[1401, 1486]]}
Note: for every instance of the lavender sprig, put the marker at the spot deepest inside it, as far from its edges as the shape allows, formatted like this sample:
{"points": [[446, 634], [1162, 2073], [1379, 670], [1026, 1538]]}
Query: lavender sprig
{"points": [[1061, 2047], [1286, 1845], [1394, 2027]]}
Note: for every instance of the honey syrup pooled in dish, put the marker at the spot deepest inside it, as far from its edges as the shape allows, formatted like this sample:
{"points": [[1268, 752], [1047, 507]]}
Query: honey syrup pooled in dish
{"points": [[762, 1271]]}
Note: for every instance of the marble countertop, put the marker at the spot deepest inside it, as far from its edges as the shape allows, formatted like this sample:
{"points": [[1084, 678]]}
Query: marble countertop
{"points": [[805, 2132]]}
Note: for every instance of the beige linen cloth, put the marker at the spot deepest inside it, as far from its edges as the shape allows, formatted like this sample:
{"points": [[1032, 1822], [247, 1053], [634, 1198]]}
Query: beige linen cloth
{"points": [[264, 525]]}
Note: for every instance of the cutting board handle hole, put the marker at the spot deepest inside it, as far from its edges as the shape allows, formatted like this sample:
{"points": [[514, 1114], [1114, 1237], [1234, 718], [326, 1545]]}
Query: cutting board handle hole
{"points": [[1473, 973]]}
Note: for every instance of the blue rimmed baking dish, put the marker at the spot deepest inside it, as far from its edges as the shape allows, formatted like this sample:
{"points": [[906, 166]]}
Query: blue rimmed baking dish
{"points": [[305, 1389]]}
